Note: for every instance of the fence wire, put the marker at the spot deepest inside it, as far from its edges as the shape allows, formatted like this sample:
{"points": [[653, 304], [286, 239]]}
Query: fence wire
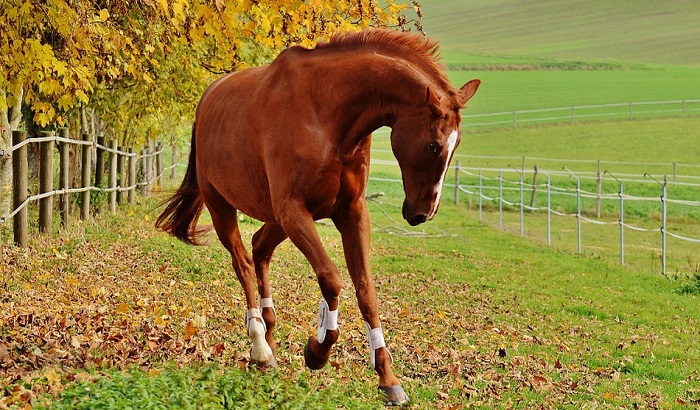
{"points": [[58, 138], [504, 185], [573, 114]]}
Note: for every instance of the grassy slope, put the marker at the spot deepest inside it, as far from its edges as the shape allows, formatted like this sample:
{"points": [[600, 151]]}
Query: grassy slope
{"points": [[473, 318], [628, 30], [650, 43], [524, 90]]}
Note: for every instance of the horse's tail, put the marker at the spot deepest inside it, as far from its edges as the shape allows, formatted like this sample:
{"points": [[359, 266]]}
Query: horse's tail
{"points": [[183, 209]]}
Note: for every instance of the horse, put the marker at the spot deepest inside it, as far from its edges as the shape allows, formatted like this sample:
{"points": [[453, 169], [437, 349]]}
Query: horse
{"points": [[289, 143]]}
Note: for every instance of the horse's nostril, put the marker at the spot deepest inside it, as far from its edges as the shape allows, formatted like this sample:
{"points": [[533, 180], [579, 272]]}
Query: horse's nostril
{"points": [[418, 219]]}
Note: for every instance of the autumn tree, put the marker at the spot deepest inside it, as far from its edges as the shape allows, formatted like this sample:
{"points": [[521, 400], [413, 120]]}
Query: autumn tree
{"points": [[142, 64]]}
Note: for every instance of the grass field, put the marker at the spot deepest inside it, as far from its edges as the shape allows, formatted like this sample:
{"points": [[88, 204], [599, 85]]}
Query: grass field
{"points": [[652, 150], [102, 316], [629, 31], [547, 55], [503, 90]]}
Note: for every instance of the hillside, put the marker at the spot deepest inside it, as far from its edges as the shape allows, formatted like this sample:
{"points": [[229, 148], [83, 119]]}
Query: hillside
{"points": [[631, 31]]}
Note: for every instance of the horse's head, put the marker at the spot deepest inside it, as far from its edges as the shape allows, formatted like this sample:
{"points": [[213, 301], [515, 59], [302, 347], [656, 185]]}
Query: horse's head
{"points": [[424, 140]]}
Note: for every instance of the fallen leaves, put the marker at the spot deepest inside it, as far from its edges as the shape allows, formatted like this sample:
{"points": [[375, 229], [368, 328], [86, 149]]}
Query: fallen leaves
{"points": [[123, 308], [190, 330], [80, 307], [137, 299]]}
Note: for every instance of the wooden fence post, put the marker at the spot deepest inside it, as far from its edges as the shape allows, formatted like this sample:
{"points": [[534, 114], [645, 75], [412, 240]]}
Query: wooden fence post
{"points": [[174, 162], [19, 189], [113, 176], [86, 168], [146, 170], [599, 190], [534, 190], [64, 177], [45, 182], [159, 165], [131, 196], [121, 177], [99, 168]]}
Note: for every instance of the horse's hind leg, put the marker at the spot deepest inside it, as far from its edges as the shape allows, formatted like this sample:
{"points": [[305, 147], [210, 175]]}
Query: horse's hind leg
{"points": [[265, 241], [225, 223]]}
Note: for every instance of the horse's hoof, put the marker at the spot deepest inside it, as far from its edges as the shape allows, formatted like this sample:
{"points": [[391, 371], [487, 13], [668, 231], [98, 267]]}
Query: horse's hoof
{"points": [[394, 395], [311, 360], [271, 362]]}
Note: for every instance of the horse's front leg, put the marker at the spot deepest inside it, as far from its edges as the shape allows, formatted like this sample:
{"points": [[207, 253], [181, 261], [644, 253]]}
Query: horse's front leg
{"points": [[354, 227], [299, 225]]}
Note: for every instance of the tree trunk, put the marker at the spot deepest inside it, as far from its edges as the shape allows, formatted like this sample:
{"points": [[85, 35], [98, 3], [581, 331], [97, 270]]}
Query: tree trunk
{"points": [[10, 119]]}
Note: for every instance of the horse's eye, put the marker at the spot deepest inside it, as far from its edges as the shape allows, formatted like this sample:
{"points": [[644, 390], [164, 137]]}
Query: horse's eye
{"points": [[434, 148]]}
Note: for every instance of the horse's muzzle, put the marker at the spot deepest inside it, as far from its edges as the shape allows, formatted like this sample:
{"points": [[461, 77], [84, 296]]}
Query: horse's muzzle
{"points": [[412, 220]]}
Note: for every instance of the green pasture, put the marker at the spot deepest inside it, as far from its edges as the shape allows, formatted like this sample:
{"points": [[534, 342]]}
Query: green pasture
{"points": [[538, 55], [579, 146], [474, 318], [642, 249], [537, 89], [626, 149], [627, 31]]}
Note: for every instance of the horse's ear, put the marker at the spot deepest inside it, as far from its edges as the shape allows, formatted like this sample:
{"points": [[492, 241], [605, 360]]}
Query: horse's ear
{"points": [[467, 91], [433, 101]]}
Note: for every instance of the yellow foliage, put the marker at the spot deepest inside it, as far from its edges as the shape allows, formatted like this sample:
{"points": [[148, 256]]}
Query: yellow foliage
{"points": [[144, 70], [104, 15]]}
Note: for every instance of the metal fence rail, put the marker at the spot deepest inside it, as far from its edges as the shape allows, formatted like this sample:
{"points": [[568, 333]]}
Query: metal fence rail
{"points": [[573, 114], [484, 186]]}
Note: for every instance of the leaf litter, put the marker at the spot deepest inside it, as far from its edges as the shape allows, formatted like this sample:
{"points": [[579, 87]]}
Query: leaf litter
{"points": [[72, 308]]}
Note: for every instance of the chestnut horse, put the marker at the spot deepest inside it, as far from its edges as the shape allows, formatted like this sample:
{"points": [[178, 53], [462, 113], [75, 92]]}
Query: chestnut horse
{"points": [[289, 143]]}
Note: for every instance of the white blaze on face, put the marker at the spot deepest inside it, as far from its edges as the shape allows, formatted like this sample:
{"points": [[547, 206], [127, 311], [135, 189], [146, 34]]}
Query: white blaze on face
{"points": [[451, 143]]}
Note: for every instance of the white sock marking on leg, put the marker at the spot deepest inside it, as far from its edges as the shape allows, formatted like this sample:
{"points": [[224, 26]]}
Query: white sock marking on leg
{"points": [[327, 320], [376, 341], [260, 351]]}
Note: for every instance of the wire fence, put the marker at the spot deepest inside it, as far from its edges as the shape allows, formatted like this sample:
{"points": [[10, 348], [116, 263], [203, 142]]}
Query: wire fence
{"points": [[573, 114], [122, 173], [487, 186], [556, 197]]}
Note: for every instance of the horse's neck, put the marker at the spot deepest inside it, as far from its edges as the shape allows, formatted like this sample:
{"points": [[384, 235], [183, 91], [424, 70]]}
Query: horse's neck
{"points": [[381, 88]]}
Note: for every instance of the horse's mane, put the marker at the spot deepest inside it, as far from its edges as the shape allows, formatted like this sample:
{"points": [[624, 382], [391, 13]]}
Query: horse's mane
{"points": [[418, 50]]}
